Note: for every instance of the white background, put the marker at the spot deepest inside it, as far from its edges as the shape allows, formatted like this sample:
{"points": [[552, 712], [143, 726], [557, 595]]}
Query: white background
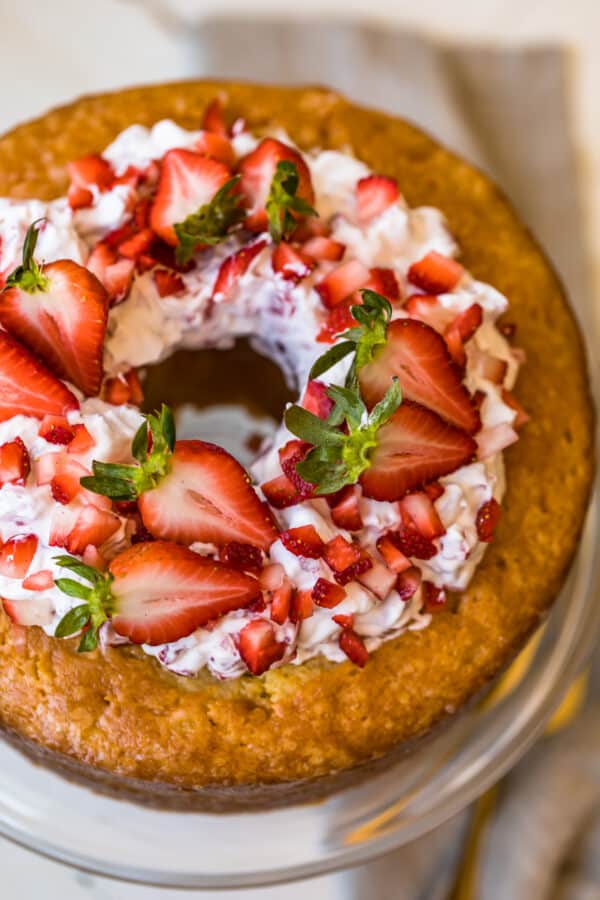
{"points": [[53, 50]]}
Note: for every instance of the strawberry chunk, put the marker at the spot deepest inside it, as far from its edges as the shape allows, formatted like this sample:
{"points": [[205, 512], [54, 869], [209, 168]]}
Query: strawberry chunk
{"points": [[354, 647], [259, 647], [116, 391], [115, 274], [467, 322], [408, 583], [356, 570], [56, 430], [491, 367], [139, 243], [422, 515], [327, 594], [429, 310], [257, 170], [303, 541], [92, 557], [374, 194], [65, 486], [27, 387], [289, 457], [384, 282], [234, 267], [344, 621], [340, 554], [487, 520], [168, 283], [322, 248], [345, 508], [379, 580], [281, 599], [15, 463], [316, 400], [39, 581], [434, 598], [244, 557], [82, 440], [280, 492], [290, 263], [75, 529], [216, 146], [214, 120], [435, 274], [16, 555], [86, 172], [338, 319], [342, 282], [393, 557], [302, 606], [411, 543]]}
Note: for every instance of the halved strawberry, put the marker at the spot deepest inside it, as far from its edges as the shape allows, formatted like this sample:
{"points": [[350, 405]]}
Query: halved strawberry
{"points": [[327, 594], [257, 170], [56, 430], [259, 647], [85, 173], [168, 283], [408, 582], [435, 274], [60, 312], [280, 492], [321, 247], [27, 387], [341, 282], [379, 579], [162, 592], [340, 554], [303, 541], [345, 508], [188, 181], [16, 555], [234, 267], [413, 447], [15, 463], [422, 515], [244, 557], [418, 356], [354, 647], [488, 516], [316, 400], [392, 555], [291, 263], [215, 146], [374, 194], [114, 273]]}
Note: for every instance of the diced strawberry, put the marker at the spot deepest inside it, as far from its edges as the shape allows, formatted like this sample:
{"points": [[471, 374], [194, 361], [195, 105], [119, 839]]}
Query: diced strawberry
{"points": [[343, 620], [27, 387], [139, 243], [491, 367], [259, 647], [408, 583], [244, 557], [187, 182], [434, 490], [163, 591], [434, 598], [82, 440], [384, 282], [37, 611], [429, 310], [466, 323], [338, 319], [281, 599], [392, 555], [116, 390], [46, 467], [353, 572], [345, 511], [16, 555], [257, 170], [309, 228], [378, 579], [65, 486], [316, 400], [340, 554], [422, 515], [302, 606], [206, 496], [477, 400], [115, 274], [79, 198], [56, 430], [280, 492], [136, 393], [411, 543], [456, 348], [492, 440], [74, 530], [327, 594], [522, 418], [290, 263], [168, 283], [84, 173], [271, 577], [289, 457], [435, 274], [342, 282], [417, 355], [487, 520], [92, 557], [321, 248], [215, 146], [374, 194], [303, 541], [413, 447], [15, 463], [354, 647], [39, 581], [214, 120], [141, 213], [234, 267]]}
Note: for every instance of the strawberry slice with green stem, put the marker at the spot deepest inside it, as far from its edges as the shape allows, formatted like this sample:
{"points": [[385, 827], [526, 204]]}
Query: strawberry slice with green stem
{"points": [[153, 593], [186, 491], [59, 311]]}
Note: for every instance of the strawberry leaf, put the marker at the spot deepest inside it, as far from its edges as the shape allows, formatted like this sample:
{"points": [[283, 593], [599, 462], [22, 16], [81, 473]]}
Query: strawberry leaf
{"points": [[282, 201], [79, 568], [311, 428], [73, 621], [332, 357], [73, 588], [211, 223], [387, 406], [89, 640]]}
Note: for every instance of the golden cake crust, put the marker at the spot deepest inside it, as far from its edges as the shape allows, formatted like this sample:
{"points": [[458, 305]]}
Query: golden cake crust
{"points": [[119, 712]]}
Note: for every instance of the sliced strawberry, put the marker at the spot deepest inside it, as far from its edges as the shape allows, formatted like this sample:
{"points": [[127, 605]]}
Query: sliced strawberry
{"points": [[82, 440], [115, 274], [234, 267], [413, 447], [374, 194], [290, 263], [316, 400], [257, 170], [378, 579], [467, 322], [162, 592], [303, 541], [206, 496], [338, 319], [62, 320], [327, 594], [15, 463], [214, 120], [259, 647], [392, 555], [168, 283], [429, 310], [187, 182], [345, 510], [243, 557], [38, 611], [354, 647], [280, 492], [522, 418], [16, 555], [434, 598], [39, 581], [340, 554], [216, 146], [321, 248], [487, 520], [85, 173], [408, 583], [418, 356], [56, 430], [422, 515], [302, 606], [27, 387], [281, 599], [492, 440], [341, 282], [384, 282], [435, 274]]}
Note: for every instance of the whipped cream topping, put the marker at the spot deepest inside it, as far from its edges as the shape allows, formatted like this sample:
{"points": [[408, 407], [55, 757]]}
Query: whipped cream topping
{"points": [[282, 320]]}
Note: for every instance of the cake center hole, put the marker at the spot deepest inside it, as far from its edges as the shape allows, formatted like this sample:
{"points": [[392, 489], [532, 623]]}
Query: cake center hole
{"points": [[234, 398]]}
